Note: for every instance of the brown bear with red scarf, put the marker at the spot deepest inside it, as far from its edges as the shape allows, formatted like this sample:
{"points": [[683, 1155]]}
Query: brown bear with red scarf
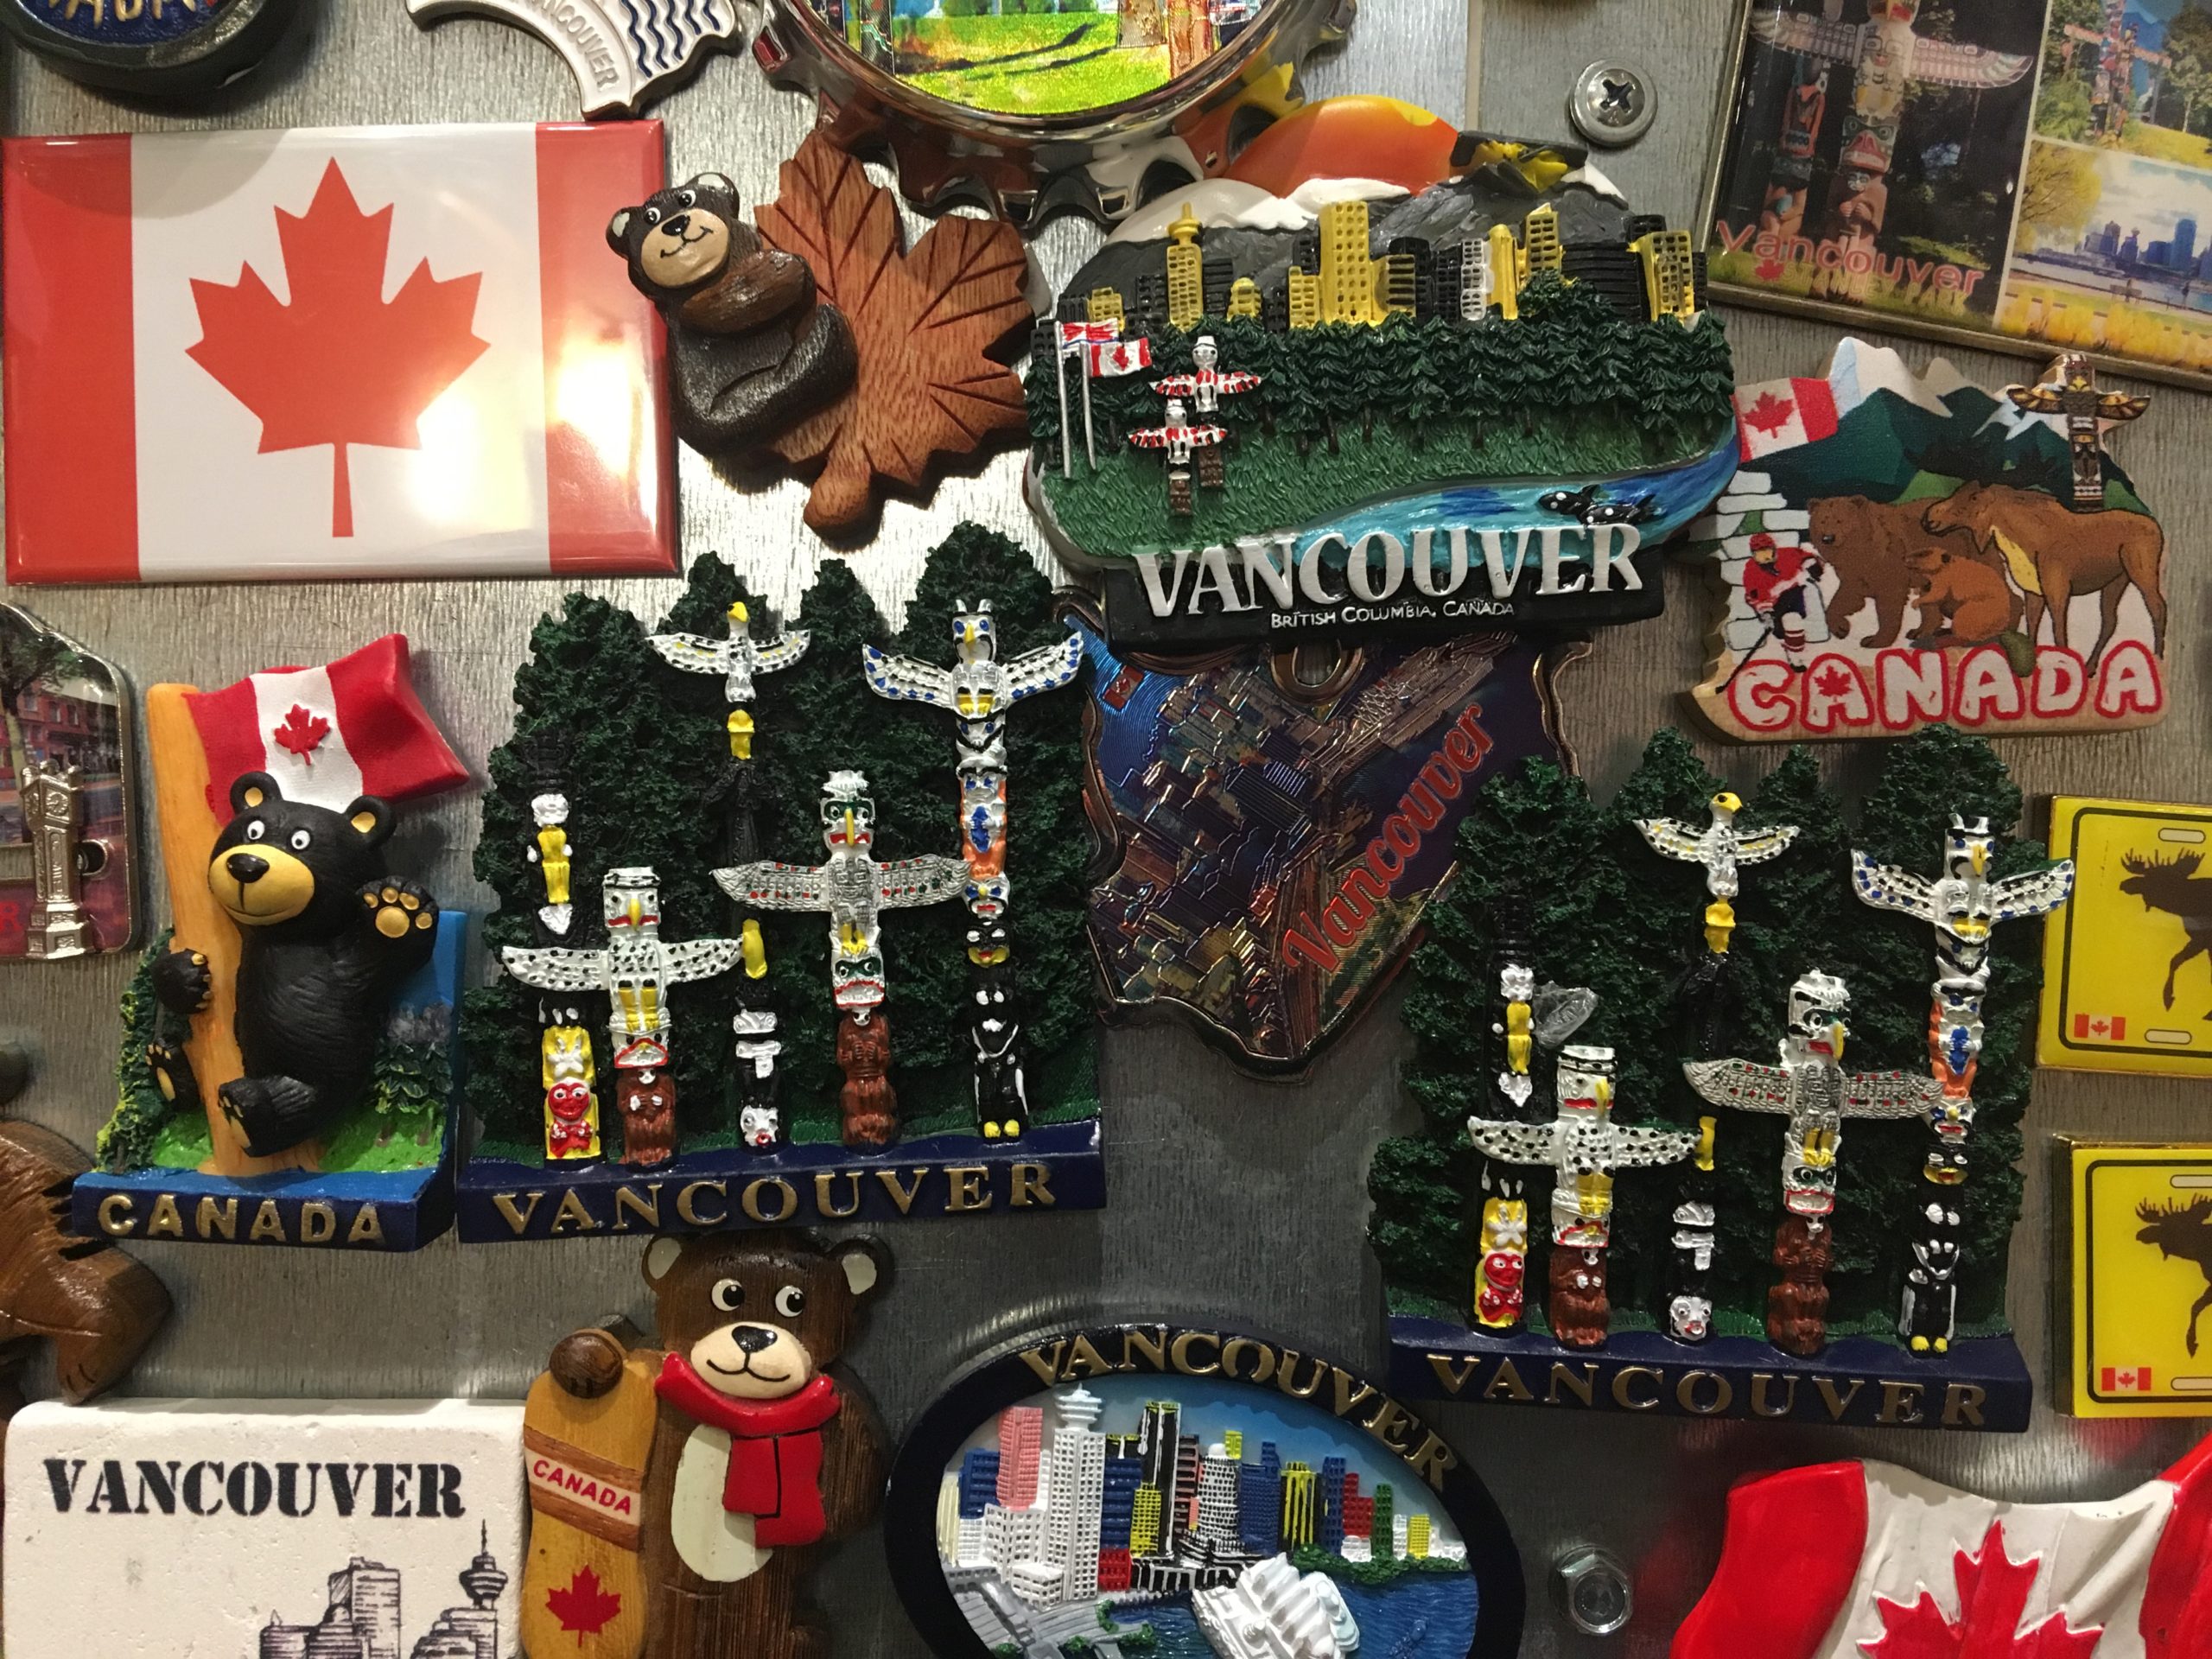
{"points": [[761, 1451]]}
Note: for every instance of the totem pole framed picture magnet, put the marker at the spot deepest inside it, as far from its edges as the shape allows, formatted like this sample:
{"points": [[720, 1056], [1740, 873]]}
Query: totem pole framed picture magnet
{"points": [[458, 381], [68, 860], [1026, 117], [2128, 985], [1708, 990], [354, 1527], [1276, 839], [286, 1052], [1478, 407], [1184, 1487], [1902, 549], [912, 798], [2134, 1246], [682, 1480], [1836, 1560], [2009, 175]]}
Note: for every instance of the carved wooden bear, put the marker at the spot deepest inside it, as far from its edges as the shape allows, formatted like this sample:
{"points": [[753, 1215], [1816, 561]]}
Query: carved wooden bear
{"points": [[328, 937], [1797, 1307], [753, 354], [759, 1449]]}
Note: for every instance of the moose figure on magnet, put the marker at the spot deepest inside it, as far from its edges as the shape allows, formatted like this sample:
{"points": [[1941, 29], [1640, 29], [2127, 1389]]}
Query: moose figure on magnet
{"points": [[679, 1486]]}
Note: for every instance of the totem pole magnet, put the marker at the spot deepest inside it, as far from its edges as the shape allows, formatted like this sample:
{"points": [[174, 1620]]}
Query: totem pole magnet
{"points": [[792, 786], [1678, 1294]]}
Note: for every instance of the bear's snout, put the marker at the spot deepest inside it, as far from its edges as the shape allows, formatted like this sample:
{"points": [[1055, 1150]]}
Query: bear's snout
{"points": [[754, 1337], [247, 866], [677, 225]]}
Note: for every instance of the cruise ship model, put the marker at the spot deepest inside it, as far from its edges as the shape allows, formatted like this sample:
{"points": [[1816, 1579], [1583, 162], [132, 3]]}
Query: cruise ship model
{"points": [[1271, 1612]]}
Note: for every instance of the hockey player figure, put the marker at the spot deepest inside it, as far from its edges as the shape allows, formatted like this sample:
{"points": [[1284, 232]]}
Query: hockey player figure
{"points": [[1782, 587]]}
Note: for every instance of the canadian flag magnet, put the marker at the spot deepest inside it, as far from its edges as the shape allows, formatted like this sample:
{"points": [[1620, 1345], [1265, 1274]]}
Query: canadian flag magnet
{"points": [[391, 351]]}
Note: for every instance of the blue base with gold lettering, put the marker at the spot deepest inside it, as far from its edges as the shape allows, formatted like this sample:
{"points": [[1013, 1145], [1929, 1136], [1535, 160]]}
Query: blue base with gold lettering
{"points": [[391, 1210], [1054, 1166], [1981, 1385]]}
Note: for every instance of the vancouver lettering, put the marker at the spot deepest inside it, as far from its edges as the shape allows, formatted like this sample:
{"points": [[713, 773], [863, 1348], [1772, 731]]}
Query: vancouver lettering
{"points": [[1317, 941], [1858, 258], [151, 1486], [1715, 1391], [1303, 588], [1167, 1350], [712, 1204]]}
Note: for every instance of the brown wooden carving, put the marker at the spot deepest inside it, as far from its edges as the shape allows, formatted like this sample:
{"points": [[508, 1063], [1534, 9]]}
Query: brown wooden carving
{"points": [[679, 1490], [926, 324], [98, 1307]]}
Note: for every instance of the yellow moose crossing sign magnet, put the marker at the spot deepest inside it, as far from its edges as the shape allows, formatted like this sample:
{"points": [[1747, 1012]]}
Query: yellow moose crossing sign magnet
{"points": [[2128, 959], [2138, 1297]]}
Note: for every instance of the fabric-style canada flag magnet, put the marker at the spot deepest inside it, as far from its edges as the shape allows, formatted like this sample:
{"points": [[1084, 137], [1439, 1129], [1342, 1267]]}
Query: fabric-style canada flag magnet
{"points": [[391, 351]]}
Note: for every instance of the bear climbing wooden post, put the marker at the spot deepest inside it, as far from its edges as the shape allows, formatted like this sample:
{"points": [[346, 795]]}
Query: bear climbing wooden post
{"points": [[274, 797], [679, 1490]]}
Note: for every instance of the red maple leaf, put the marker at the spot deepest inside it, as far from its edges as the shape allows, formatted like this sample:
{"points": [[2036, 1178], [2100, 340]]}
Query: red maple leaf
{"points": [[1831, 681], [1769, 270], [582, 1606], [1771, 413], [301, 733], [1992, 1593], [339, 364]]}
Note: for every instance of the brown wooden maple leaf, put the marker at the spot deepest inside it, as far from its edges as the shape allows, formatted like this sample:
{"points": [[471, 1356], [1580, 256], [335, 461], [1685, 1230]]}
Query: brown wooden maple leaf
{"points": [[582, 1605], [926, 324], [339, 364]]}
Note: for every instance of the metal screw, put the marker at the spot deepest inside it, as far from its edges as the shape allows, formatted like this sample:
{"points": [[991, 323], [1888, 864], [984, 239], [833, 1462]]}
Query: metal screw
{"points": [[1612, 105], [1595, 1588]]}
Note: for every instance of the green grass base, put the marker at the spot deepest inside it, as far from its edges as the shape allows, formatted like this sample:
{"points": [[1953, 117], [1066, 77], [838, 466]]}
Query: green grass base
{"points": [[183, 1143], [1271, 485]]}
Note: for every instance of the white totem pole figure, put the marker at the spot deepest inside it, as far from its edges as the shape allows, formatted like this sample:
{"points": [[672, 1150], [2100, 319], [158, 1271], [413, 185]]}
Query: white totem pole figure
{"points": [[1962, 904], [1583, 1147], [978, 691], [1722, 850], [737, 658], [634, 970]]}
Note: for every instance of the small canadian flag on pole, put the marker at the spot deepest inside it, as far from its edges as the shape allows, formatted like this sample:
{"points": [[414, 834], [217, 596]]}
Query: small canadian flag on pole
{"points": [[1783, 414], [366, 351], [1121, 357], [2126, 1379], [2100, 1028]]}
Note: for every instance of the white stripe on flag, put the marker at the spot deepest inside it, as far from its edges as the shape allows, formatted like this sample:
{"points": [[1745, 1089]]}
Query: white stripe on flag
{"points": [[327, 775]]}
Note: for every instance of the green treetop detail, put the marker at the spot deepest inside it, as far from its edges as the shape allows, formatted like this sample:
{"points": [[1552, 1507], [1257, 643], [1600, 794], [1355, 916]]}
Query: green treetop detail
{"points": [[646, 771], [1610, 914], [1570, 388]]}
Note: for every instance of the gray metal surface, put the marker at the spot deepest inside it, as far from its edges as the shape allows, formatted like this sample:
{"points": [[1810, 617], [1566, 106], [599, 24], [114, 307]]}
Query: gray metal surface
{"points": [[1241, 1198]]}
